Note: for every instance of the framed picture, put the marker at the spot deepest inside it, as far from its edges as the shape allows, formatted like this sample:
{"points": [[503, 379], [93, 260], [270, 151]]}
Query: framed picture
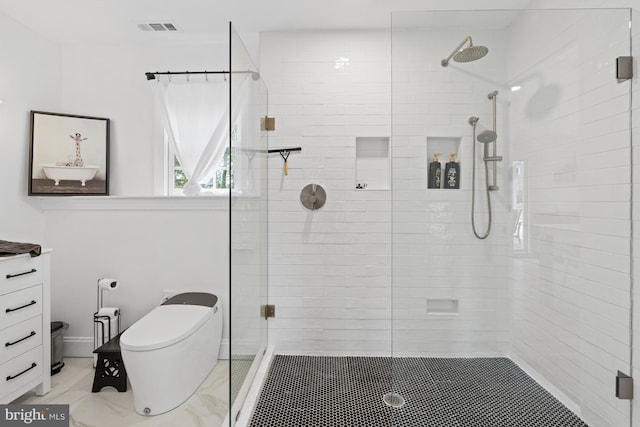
{"points": [[68, 155]]}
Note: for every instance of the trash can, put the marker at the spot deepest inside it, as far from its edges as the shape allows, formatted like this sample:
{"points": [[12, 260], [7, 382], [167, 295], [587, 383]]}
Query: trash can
{"points": [[57, 358]]}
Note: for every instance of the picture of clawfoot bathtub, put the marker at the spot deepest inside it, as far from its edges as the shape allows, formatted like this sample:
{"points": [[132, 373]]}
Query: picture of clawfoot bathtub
{"points": [[68, 155], [70, 173]]}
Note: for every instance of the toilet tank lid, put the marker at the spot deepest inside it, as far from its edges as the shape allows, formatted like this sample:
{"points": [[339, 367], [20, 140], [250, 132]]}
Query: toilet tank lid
{"points": [[193, 298], [163, 326]]}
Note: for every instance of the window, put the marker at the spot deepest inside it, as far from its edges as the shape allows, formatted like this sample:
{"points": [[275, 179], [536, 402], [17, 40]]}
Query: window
{"points": [[221, 179]]}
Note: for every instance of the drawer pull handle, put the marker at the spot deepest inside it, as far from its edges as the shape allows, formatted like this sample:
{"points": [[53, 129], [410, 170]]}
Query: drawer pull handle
{"points": [[33, 365], [9, 310], [11, 276], [9, 344]]}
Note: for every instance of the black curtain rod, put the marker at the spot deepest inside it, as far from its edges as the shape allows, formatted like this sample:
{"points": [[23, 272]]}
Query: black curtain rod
{"points": [[151, 76]]}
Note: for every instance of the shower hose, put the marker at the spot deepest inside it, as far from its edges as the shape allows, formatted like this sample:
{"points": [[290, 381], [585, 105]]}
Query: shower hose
{"points": [[473, 192]]}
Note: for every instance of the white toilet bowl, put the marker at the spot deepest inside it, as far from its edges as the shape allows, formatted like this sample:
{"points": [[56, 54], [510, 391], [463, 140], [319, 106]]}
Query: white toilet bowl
{"points": [[170, 351]]}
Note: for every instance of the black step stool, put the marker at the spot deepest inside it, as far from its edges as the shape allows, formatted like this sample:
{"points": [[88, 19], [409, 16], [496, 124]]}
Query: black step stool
{"points": [[109, 367]]}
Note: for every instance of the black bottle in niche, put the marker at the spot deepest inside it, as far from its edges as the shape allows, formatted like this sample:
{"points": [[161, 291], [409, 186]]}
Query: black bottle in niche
{"points": [[452, 173], [435, 172]]}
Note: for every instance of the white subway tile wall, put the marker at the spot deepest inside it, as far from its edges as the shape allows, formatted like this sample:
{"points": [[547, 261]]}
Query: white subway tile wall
{"points": [[329, 270], [327, 89], [435, 254]]}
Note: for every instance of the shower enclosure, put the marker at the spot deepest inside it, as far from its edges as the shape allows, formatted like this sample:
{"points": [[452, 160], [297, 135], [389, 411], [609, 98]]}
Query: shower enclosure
{"points": [[390, 310], [550, 286]]}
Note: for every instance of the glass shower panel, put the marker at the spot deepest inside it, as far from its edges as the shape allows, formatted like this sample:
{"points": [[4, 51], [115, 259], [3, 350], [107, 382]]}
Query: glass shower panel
{"points": [[545, 290], [570, 128], [247, 157]]}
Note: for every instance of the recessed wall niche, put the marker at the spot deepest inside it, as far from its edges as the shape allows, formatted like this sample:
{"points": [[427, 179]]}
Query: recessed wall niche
{"points": [[373, 163], [444, 146]]}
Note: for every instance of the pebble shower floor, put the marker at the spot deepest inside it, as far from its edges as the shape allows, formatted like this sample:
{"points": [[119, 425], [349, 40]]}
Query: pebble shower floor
{"points": [[316, 391]]}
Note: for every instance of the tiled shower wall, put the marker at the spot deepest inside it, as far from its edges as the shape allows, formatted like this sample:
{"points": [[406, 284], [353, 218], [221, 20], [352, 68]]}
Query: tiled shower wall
{"points": [[437, 261], [330, 270], [571, 284]]}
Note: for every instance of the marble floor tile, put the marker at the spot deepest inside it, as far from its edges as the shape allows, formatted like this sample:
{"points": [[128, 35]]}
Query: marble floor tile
{"points": [[108, 408]]}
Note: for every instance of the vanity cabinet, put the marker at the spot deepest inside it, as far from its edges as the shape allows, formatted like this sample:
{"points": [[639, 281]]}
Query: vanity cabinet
{"points": [[25, 324]]}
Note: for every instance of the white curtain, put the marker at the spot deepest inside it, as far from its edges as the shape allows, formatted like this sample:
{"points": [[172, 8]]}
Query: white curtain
{"points": [[195, 115]]}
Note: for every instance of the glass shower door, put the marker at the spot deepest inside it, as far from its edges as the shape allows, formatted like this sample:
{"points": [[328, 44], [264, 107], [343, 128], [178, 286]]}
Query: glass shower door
{"points": [[247, 176], [543, 300]]}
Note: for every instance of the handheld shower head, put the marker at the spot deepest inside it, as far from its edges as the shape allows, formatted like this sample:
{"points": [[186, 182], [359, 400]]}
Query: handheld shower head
{"points": [[473, 120], [487, 136], [467, 54]]}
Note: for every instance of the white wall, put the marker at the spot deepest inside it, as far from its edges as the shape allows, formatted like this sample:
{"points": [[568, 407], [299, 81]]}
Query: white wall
{"points": [[147, 244], [30, 74], [108, 81]]}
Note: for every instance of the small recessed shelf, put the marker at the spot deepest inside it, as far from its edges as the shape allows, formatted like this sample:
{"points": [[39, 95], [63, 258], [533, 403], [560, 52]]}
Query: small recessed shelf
{"points": [[444, 146], [373, 163], [442, 306]]}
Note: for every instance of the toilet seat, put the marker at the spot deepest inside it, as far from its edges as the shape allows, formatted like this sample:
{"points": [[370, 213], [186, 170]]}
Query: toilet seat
{"points": [[163, 326]]}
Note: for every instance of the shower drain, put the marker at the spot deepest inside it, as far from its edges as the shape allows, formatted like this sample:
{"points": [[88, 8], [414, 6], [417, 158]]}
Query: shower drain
{"points": [[394, 400]]}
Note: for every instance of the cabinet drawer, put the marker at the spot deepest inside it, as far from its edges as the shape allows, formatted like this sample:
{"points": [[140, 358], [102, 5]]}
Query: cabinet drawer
{"points": [[19, 272], [20, 371], [20, 338], [19, 306]]}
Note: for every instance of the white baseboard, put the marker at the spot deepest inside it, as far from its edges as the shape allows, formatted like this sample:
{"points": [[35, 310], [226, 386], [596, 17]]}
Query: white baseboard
{"points": [[83, 347], [77, 346]]}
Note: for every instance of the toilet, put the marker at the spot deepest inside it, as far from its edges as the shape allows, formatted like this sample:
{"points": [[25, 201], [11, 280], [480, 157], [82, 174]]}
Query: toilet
{"points": [[171, 350]]}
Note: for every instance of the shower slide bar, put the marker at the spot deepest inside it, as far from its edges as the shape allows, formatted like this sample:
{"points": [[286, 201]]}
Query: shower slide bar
{"points": [[151, 76]]}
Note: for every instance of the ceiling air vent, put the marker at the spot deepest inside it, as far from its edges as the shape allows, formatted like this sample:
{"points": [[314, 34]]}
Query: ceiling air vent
{"points": [[157, 26]]}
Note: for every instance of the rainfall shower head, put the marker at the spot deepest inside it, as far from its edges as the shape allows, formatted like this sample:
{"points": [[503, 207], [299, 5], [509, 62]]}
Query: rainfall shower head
{"points": [[487, 136], [467, 54], [470, 53]]}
